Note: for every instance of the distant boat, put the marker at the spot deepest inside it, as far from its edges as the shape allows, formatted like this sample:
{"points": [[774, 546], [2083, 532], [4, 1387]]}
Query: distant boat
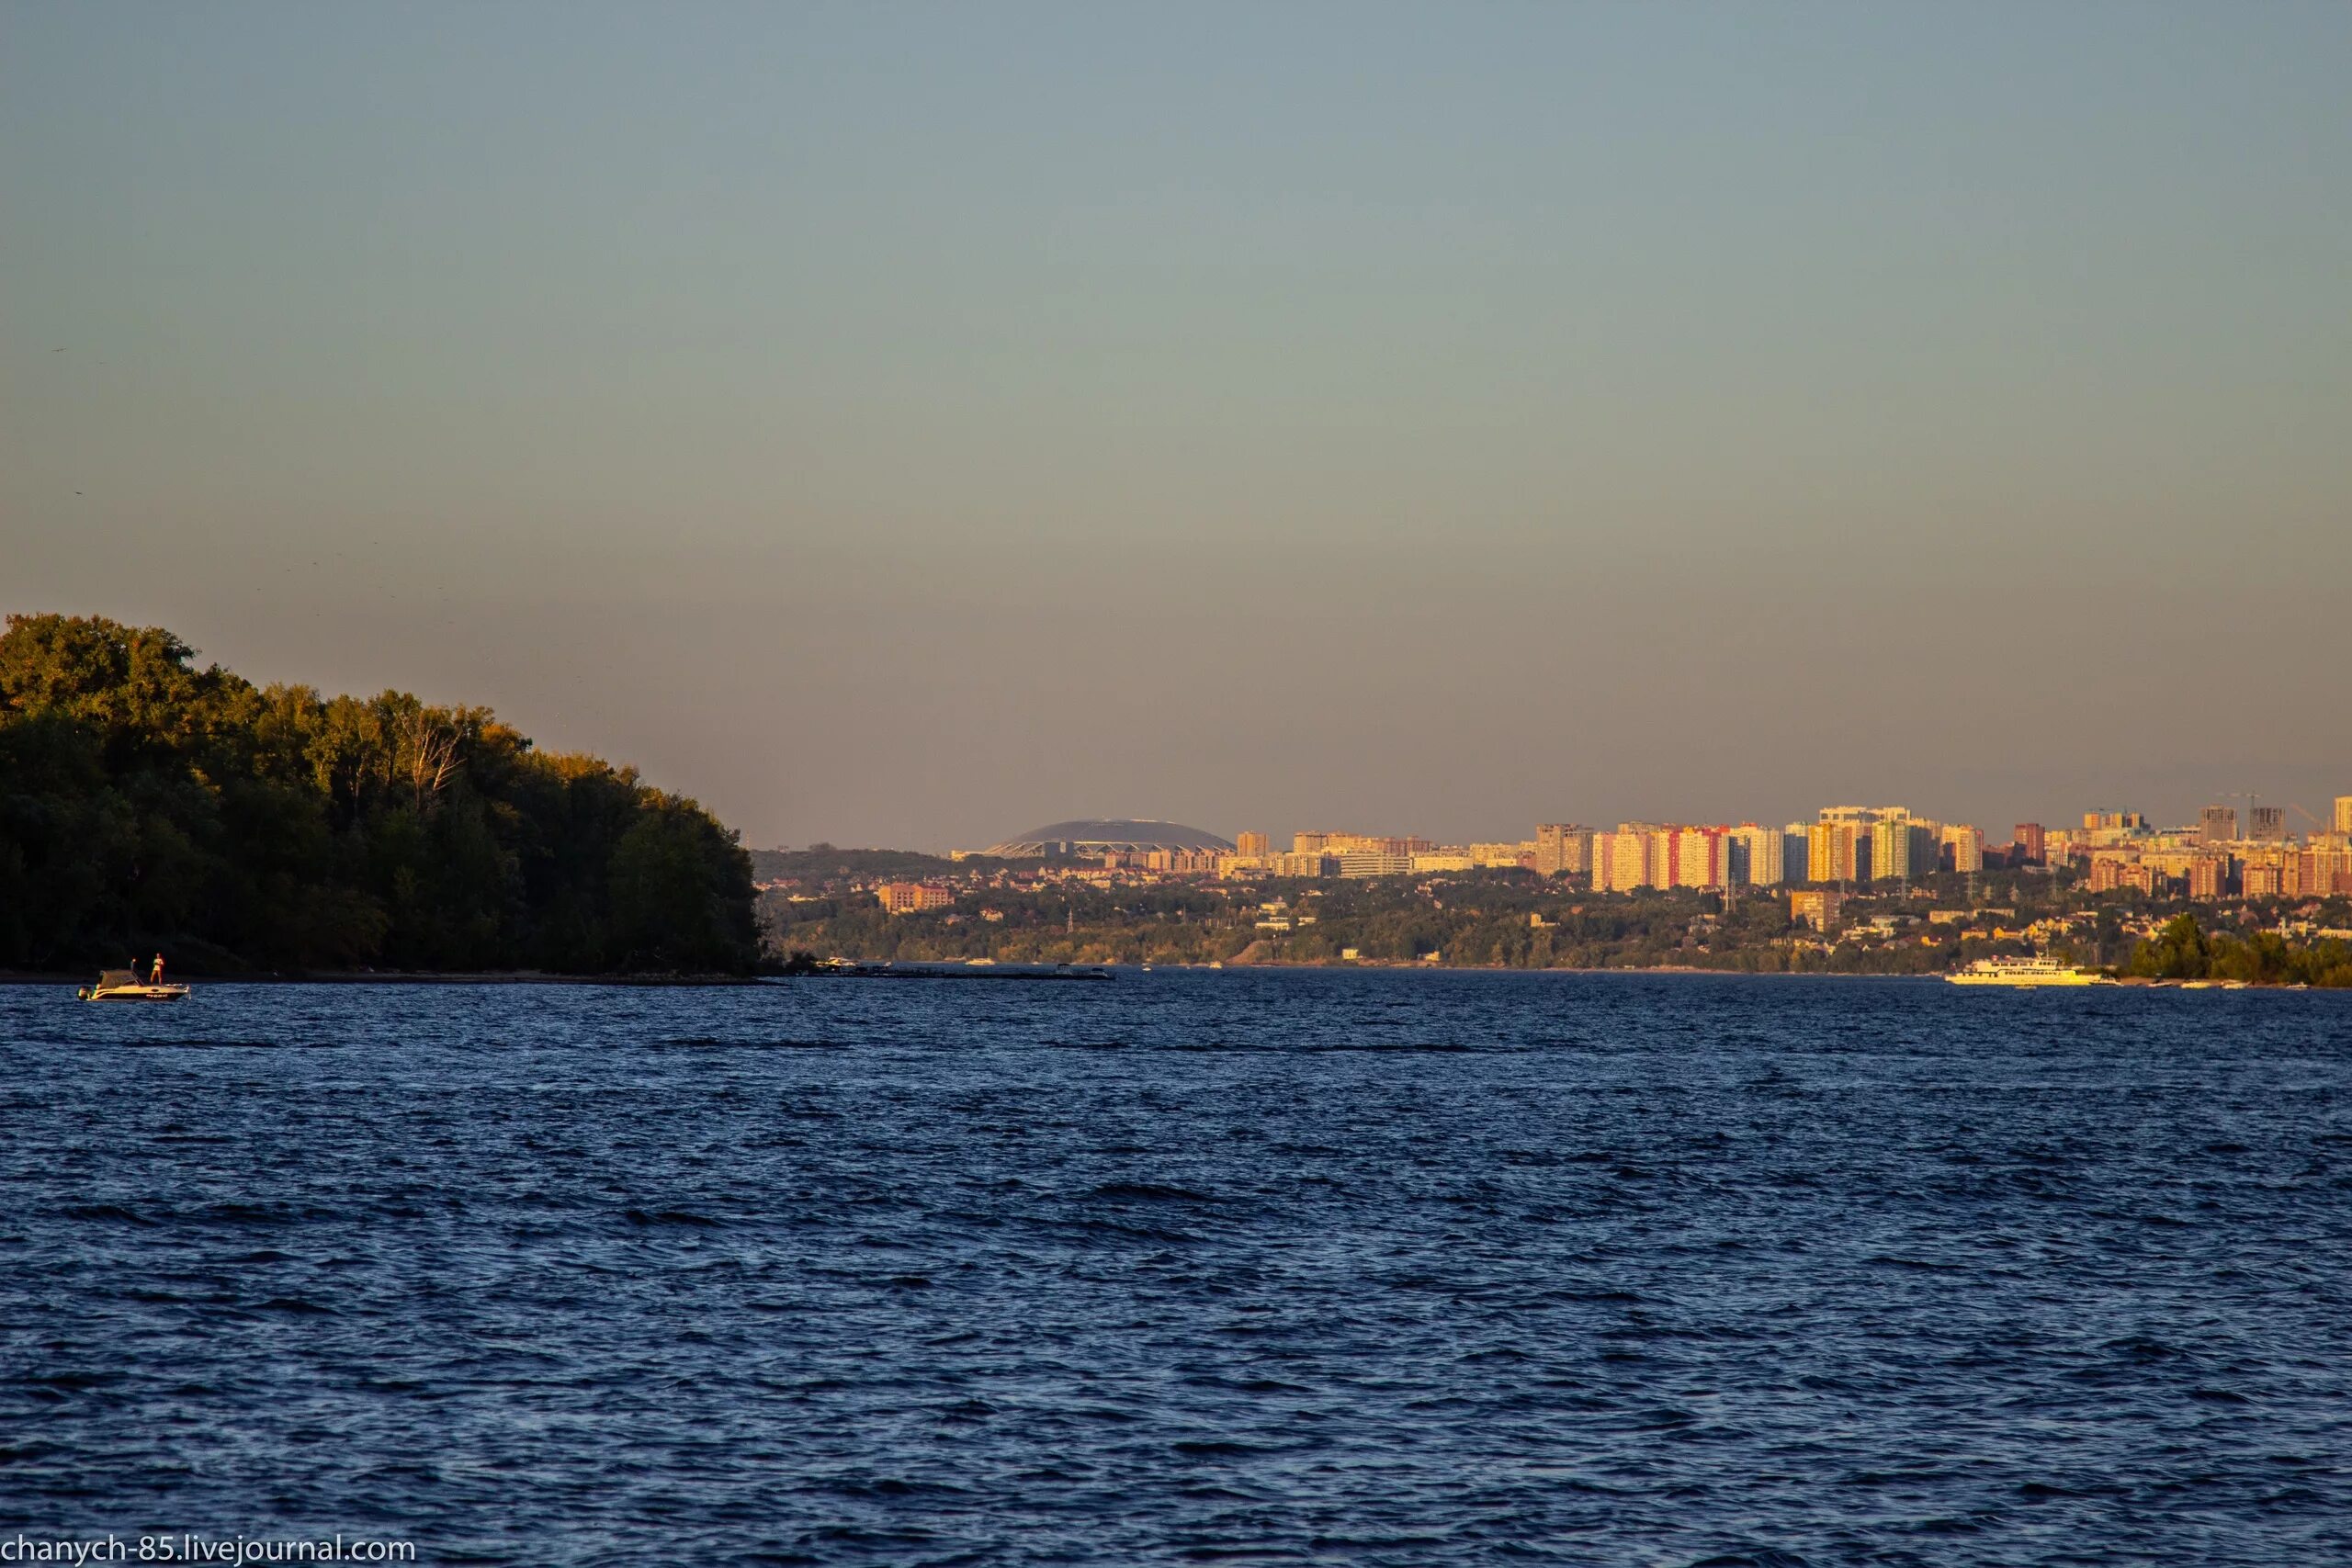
{"points": [[2025, 972], [124, 985]]}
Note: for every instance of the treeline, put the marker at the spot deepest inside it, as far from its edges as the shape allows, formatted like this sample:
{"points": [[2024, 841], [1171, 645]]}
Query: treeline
{"points": [[1486, 924], [2184, 950], [148, 805], [1482, 925]]}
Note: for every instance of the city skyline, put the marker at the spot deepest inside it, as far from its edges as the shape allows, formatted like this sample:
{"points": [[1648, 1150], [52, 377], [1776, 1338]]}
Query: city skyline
{"points": [[1846, 848], [2331, 813]]}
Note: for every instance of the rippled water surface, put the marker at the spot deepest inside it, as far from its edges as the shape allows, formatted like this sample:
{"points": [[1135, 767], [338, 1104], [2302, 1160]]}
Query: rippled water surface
{"points": [[1383, 1268]]}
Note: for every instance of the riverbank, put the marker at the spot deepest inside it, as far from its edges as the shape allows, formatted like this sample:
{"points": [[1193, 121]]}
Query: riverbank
{"points": [[402, 977]]}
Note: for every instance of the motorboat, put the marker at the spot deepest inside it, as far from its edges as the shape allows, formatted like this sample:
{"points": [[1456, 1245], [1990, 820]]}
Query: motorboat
{"points": [[125, 986]]}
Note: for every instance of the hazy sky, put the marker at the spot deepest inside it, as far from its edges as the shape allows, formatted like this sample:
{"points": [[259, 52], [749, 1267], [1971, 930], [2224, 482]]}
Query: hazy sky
{"points": [[913, 423]]}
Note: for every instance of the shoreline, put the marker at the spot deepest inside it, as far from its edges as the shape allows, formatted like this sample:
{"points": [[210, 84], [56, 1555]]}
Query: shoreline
{"points": [[406, 977], [955, 969]]}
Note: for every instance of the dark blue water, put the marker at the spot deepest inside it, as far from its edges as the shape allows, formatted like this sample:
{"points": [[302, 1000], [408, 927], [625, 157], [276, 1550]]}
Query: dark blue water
{"points": [[1386, 1267]]}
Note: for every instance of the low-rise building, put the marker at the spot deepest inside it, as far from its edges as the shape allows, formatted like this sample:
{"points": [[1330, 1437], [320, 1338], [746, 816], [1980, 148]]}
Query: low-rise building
{"points": [[912, 897], [1816, 908], [1293, 863], [1361, 864]]}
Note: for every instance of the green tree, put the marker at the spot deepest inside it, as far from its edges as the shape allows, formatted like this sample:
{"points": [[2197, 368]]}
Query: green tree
{"points": [[148, 803]]}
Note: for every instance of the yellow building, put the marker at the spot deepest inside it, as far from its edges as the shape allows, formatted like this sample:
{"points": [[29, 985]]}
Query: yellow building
{"points": [[1250, 844], [1967, 846], [1357, 844], [1445, 858], [1836, 852], [1562, 849], [1624, 859], [1361, 864], [1755, 856], [1817, 907]]}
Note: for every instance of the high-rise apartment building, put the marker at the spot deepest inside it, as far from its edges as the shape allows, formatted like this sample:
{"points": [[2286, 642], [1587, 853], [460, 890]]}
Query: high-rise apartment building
{"points": [[2217, 824], [1563, 849], [1838, 850], [1967, 847], [1624, 859], [2027, 837], [2209, 878], [2269, 825], [2343, 813], [1689, 857], [1755, 857], [1902, 850], [1250, 844], [1795, 849]]}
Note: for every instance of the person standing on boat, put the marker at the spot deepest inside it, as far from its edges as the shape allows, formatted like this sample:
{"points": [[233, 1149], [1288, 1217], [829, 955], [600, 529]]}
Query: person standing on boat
{"points": [[157, 979]]}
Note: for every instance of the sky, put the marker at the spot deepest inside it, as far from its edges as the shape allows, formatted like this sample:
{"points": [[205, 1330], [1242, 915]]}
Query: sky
{"points": [[908, 425]]}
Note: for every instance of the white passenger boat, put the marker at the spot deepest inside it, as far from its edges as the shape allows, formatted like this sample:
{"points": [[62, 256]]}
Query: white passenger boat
{"points": [[2026, 972], [125, 986]]}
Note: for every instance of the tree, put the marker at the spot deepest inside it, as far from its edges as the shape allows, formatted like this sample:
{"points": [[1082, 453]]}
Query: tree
{"points": [[145, 802]]}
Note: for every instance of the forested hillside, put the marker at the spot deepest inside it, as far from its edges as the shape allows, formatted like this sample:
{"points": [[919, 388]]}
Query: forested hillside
{"points": [[147, 804]]}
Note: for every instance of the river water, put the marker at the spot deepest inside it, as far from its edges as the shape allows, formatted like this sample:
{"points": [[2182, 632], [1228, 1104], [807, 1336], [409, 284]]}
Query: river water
{"points": [[1380, 1268]]}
